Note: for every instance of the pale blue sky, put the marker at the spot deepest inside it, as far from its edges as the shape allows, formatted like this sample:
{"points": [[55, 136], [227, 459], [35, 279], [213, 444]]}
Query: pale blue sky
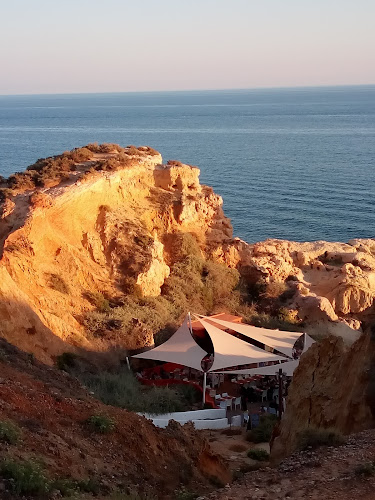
{"points": [[56, 46]]}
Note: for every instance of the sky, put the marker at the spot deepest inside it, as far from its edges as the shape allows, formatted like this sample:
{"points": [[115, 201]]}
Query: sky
{"points": [[74, 46]]}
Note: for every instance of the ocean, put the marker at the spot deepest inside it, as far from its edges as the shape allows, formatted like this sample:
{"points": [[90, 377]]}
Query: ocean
{"points": [[293, 164]]}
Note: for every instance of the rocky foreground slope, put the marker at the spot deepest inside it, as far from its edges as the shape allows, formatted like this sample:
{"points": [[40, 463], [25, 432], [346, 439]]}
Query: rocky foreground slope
{"points": [[51, 410], [111, 223], [328, 473]]}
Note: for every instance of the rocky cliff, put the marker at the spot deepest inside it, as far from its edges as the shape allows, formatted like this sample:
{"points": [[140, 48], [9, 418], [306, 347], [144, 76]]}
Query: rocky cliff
{"points": [[332, 388], [93, 226], [95, 233], [331, 285]]}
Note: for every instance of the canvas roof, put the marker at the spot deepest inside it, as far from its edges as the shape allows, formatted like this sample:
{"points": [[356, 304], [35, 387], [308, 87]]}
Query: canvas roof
{"points": [[181, 348], [287, 368], [231, 351], [276, 339]]}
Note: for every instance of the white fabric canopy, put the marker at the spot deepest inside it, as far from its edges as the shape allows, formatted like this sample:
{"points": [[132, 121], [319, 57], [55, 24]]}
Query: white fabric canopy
{"points": [[276, 339], [181, 349], [308, 342], [231, 351], [287, 368]]}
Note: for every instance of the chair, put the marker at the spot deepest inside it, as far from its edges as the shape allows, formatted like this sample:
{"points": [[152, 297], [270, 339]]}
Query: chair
{"points": [[229, 403], [223, 405], [217, 396], [264, 395], [225, 395], [212, 393], [272, 411], [237, 402]]}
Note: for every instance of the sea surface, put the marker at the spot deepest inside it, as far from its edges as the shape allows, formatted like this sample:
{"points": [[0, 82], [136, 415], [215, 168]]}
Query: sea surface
{"points": [[294, 164]]}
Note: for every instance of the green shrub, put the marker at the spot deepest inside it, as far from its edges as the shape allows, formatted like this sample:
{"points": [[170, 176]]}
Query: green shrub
{"points": [[258, 454], [25, 478], [66, 360], [100, 424], [9, 432], [262, 433], [57, 283], [98, 300], [66, 487], [274, 289], [313, 438], [123, 390], [366, 469], [88, 486], [184, 494]]}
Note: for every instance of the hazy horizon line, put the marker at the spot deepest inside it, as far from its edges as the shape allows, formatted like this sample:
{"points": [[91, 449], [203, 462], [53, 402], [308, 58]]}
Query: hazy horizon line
{"points": [[176, 91]]}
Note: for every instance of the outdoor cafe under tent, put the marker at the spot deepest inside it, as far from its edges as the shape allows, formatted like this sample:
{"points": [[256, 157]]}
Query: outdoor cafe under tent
{"points": [[228, 350]]}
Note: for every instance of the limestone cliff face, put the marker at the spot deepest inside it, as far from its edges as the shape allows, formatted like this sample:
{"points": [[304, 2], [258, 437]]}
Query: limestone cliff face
{"points": [[332, 281], [94, 235], [106, 231], [332, 387]]}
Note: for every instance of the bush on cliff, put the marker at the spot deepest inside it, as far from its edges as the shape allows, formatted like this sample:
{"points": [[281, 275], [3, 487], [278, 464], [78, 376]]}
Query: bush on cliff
{"points": [[123, 389], [194, 284], [9, 432], [314, 437]]}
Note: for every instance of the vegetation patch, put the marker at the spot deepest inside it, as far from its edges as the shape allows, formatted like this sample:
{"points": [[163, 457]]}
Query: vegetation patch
{"points": [[9, 432], [262, 433], [100, 424], [314, 437], [211, 288], [25, 477], [258, 454], [366, 469], [66, 361], [57, 283], [98, 300], [123, 390]]}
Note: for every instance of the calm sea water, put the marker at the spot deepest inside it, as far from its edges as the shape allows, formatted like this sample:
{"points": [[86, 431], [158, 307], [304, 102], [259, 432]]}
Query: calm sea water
{"points": [[293, 163]]}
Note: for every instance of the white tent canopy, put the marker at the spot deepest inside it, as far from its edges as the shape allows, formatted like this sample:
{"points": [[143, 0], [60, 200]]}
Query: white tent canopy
{"points": [[181, 349], [288, 368], [231, 351], [276, 339]]}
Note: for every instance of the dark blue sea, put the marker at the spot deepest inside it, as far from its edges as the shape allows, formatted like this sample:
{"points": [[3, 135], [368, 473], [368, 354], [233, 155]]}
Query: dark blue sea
{"points": [[290, 163]]}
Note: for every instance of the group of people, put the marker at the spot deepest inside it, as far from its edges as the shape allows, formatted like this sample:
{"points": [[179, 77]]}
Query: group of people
{"points": [[254, 392]]}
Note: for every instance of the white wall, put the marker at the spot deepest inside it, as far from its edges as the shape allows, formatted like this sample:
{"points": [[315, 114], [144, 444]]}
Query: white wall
{"points": [[190, 415], [202, 419]]}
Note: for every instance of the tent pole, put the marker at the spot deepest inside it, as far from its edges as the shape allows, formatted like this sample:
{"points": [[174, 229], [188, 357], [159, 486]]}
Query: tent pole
{"points": [[204, 387], [128, 362], [190, 327], [280, 392]]}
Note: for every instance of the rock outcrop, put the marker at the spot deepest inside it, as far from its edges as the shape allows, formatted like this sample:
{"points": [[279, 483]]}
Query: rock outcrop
{"points": [[333, 387], [332, 281], [95, 235], [107, 230]]}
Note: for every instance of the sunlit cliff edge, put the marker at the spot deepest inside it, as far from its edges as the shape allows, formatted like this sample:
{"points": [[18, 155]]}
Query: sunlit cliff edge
{"points": [[97, 230]]}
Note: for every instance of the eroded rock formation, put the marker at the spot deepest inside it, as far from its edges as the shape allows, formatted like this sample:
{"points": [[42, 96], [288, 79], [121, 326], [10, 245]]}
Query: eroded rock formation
{"points": [[108, 230], [94, 235], [333, 387]]}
